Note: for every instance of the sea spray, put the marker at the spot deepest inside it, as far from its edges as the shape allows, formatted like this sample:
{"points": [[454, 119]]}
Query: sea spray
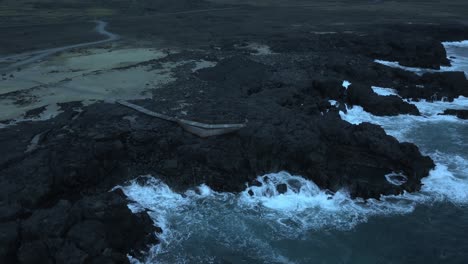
{"points": [[384, 91], [201, 225], [449, 180], [245, 222]]}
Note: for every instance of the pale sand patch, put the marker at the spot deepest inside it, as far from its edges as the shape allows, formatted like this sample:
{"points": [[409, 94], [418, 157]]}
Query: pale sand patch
{"points": [[87, 76], [49, 112], [82, 75], [76, 63], [132, 83], [101, 59]]}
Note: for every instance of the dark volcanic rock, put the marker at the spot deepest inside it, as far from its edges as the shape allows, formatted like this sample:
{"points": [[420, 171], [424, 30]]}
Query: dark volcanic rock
{"points": [[447, 85], [282, 188], [408, 48], [51, 195], [411, 51], [9, 241], [460, 113], [436, 86], [236, 74], [94, 227], [329, 88], [55, 201], [325, 149], [378, 105]]}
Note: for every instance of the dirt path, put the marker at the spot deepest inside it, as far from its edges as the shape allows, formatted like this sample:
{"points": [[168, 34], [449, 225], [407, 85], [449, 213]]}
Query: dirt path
{"points": [[23, 59]]}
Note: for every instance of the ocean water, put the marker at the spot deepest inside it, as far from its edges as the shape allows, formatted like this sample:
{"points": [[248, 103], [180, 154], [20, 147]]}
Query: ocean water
{"points": [[309, 225]]}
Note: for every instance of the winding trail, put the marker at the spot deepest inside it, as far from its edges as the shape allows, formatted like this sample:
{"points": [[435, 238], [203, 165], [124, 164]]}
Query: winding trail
{"points": [[30, 57], [202, 130]]}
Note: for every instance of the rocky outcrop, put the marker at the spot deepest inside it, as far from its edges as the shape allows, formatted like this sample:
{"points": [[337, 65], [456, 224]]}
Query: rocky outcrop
{"points": [[362, 95], [436, 86], [460, 113], [289, 128], [404, 45], [95, 229], [378, 105], [55, 201], [409, 51]]}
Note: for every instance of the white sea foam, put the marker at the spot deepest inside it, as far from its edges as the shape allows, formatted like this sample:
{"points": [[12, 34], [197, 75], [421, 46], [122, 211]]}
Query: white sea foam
{"points": [[397, 179], [438, 107], [303, 206], [287, 206], [384, 91], [244, 223], [239, 222], [398, 126], [443, 185], [346, 84], [431, 132], [199, 213], [457, 53], [231, 219], [463, 43]]}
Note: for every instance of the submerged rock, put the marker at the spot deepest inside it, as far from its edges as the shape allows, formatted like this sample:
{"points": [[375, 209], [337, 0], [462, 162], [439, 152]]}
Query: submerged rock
{"points": [[460, 113], [282, 188]]}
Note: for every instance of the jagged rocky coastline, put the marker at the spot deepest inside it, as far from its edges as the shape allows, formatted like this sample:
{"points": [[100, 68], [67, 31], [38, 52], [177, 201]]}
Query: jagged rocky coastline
{"points": [[56, 175]]}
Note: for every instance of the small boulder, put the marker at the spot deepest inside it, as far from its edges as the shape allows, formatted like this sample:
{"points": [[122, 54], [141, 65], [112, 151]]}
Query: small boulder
{"points": [[282, 188]]}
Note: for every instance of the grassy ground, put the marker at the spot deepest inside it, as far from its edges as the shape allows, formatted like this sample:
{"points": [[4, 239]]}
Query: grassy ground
{"points": [[196, 23]]}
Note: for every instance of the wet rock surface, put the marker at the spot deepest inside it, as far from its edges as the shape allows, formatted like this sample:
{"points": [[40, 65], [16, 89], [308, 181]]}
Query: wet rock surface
{"points": [[65, 213], [460, 113], [378, 105]]}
